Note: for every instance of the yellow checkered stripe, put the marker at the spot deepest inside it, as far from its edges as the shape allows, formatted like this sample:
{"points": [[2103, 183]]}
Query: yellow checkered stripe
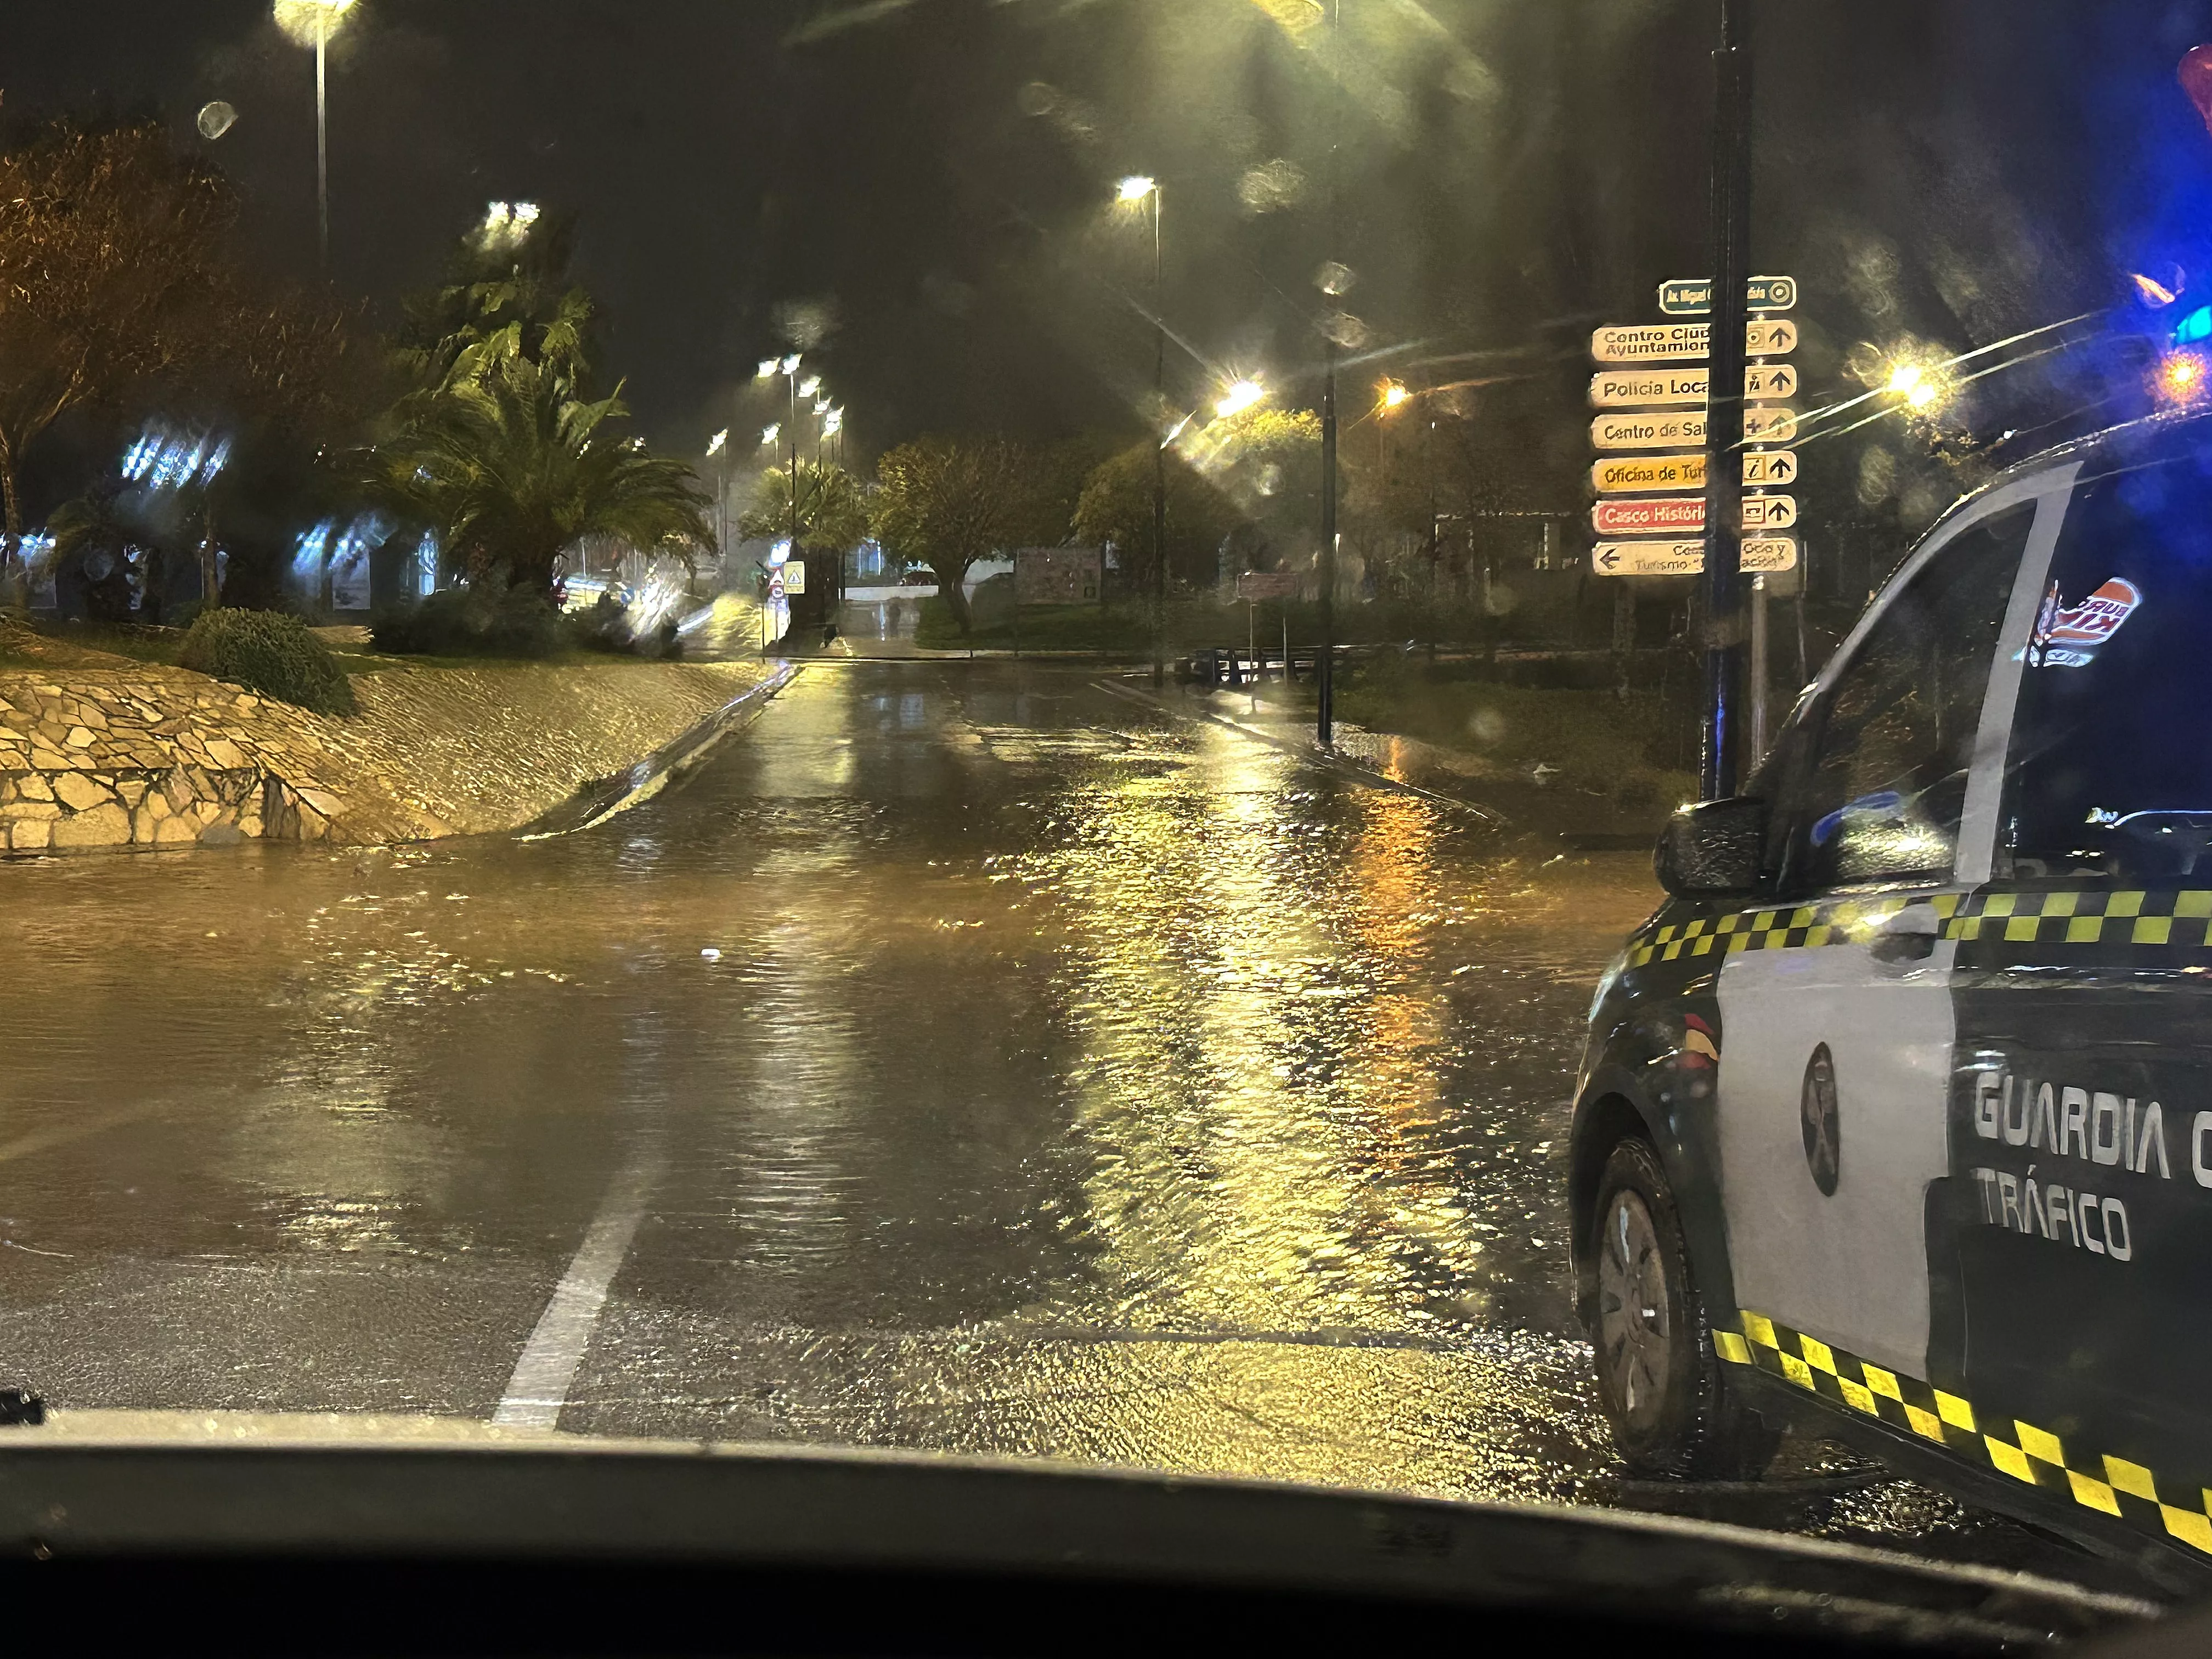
{"points": [[2073, 917], [2034, 1456]]}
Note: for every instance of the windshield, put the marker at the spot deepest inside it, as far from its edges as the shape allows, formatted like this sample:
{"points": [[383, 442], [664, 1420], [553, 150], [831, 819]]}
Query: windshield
{"points": [[859, 724]]}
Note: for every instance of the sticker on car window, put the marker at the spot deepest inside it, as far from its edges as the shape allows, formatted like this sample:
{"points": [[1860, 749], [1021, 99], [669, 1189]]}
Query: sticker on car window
{"points": [[2069, 636]]}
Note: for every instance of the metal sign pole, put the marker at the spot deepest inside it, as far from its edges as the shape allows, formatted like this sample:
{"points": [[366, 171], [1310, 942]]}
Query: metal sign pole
{"points": [[1731, 268]]}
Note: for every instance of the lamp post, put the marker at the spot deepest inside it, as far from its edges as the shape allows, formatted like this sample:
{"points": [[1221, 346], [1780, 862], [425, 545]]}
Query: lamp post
{"points": [[719, 445], [788, 368], [311, 22], [1134, 190]]}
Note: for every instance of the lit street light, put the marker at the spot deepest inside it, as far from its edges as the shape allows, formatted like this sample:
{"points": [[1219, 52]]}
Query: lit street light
{"points": [[770, 432], [1132, 192], [311, 22], [1240, 396]]}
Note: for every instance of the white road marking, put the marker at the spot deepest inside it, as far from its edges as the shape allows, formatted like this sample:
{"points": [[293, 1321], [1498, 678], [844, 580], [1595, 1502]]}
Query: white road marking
{"points": [[539, 1387]]}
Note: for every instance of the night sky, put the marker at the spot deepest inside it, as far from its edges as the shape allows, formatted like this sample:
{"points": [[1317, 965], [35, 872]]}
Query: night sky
{"points": [[935, 174]]}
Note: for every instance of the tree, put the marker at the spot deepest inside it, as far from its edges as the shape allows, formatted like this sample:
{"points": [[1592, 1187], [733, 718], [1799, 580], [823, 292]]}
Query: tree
{"points": [[507, 276], [111, 250], [1116, 507], [510, 468], [833, 511], [946, 502]]}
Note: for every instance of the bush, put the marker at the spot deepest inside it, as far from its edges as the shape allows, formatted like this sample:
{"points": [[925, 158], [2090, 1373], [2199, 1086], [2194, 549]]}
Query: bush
{"points": [[270, 653], [470, 621]]}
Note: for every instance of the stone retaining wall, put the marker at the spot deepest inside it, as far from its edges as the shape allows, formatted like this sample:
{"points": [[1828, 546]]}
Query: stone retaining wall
{"points": [[151, 757]]}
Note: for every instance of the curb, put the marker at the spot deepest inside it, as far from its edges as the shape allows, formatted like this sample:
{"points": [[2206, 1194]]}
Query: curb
{"points": [[594, 802]]}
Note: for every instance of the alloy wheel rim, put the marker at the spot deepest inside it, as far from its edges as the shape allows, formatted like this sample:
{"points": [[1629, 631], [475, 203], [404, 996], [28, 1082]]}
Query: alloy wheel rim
{"points": [[1634, 1333]]}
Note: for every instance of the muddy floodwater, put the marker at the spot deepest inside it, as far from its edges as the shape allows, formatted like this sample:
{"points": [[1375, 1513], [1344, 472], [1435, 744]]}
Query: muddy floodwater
{"points": [[964, 1057]]}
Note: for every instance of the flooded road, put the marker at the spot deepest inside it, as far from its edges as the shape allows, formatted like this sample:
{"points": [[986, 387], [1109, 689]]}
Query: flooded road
{"points": [[964, 1057]]}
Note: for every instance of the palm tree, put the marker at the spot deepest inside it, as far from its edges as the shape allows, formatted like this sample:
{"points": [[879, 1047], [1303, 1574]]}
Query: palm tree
{"points": [[833, 511], [511, 467]]}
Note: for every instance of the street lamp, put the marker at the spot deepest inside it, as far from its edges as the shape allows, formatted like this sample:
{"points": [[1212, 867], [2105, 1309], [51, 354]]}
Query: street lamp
{"points": [[788, 368], [1241, 396], [1132, 192], [719, 445], [311, 22]]}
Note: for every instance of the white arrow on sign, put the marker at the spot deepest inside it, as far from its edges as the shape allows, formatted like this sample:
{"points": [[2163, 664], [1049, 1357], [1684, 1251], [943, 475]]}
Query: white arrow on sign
{"points": [[1770, 466], [1639, 388], [1762, 556], [1661, 342]]}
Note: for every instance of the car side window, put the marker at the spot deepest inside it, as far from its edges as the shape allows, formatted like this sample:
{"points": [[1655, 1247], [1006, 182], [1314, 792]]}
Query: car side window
{"points": [[1876, 784], [2108, 773]]}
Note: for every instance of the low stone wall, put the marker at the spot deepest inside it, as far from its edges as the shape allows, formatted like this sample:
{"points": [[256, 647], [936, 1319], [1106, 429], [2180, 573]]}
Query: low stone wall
{"points": [[150, 756]]}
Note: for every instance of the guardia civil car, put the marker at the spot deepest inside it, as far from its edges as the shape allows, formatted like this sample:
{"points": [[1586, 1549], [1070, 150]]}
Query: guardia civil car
{"points": [[1899, 1112]]}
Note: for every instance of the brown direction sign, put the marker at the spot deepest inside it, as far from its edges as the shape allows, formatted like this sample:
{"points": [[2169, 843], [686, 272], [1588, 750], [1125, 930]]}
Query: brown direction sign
{"points": [[1660, 343], [1640, 388], [1634, 474]]}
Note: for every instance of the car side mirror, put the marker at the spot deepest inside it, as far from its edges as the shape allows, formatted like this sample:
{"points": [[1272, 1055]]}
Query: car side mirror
{"points": [[1711, 850]]}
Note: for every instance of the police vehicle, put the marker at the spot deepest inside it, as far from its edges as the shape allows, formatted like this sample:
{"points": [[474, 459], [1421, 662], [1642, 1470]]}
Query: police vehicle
{"points": [[1897, 1114]]}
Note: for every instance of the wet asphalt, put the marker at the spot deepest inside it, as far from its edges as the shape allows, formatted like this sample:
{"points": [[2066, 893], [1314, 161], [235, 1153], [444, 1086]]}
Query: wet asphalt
{"points": [[964, 1057]]}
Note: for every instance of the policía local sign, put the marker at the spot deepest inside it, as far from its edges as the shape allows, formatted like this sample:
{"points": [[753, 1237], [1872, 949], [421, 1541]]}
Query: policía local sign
{"points": [[1762, 556], [1630, 475], [1639, 388], [1661, 343], [1675, 515], [1688, 296], [1660, 428]]}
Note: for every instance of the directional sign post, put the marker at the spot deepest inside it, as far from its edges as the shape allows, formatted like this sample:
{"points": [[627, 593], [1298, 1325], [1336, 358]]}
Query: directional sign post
{"points": [[1663, 429], [1694, 297], [1762, 556], [1633, 475], [1770, 466], [1663, 342], [1659, 515], [1642, 388]]}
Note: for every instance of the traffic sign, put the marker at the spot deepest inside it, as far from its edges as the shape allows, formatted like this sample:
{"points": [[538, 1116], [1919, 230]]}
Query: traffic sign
{"points": [[1649, 515], [794, 572], [1661, 343], [774, 586], [1770, 466], [1660, 429], [1644, 388], [1769, 512], [1762, 556], [1257, 584], [1627, 475], [1768, 423], [1660, 515], [1633, 475], [1693, 296], [1764, 381]]}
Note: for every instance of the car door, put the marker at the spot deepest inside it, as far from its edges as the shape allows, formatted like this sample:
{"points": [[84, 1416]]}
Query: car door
{"points": [[1837, 1022], [2081, 1224]]}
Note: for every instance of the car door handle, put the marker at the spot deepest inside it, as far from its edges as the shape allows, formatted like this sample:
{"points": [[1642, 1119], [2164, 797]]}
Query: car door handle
{"points": [[1908, 936]]}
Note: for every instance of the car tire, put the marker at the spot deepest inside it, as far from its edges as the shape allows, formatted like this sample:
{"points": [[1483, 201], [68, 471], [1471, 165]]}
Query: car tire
{"points": [[1674, 1414]]}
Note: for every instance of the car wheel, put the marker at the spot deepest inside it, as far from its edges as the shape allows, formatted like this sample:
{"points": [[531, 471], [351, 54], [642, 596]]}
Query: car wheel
{"points": [[1674, 1414]]}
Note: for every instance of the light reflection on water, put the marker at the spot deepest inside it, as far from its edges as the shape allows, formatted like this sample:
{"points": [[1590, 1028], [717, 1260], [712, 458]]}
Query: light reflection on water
{"points": [[1022, 1076]]}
